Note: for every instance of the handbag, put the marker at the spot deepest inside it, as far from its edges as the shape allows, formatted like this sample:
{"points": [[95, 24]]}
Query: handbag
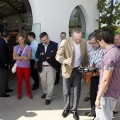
{"points": [[15, 65]]}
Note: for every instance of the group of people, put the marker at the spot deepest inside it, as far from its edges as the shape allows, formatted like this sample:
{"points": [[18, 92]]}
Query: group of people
{"points": [[29, 64], [46, 60]]}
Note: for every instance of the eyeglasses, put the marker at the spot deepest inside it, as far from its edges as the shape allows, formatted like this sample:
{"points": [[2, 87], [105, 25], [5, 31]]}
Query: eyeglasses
{"points": [[93, 43], [20, 53]]}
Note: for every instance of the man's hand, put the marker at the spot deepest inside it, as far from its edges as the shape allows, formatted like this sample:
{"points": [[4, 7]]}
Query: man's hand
{"points": [[48, 57], [42, 53], [68, 61], [97, 72], [8, 66], [97, 104], [35, 66], [88, 73]]}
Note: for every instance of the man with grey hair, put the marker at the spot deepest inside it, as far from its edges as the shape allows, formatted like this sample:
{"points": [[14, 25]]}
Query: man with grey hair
{"points": [[71, 54]]}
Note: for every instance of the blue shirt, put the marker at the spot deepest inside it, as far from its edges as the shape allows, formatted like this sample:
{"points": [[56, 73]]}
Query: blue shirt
{"points": [[34, 46]]}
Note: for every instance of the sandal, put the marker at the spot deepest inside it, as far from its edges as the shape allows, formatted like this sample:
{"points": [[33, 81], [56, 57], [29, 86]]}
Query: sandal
{"points": [[86, 99]]}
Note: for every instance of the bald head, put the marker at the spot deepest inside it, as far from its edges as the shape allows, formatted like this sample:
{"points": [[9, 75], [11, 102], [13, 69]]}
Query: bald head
{"points": [[117, 40], [77, 35]]}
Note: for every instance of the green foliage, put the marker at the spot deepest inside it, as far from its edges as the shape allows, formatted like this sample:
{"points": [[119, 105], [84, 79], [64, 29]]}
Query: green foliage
{"points": [[117, 30], [104, 7]]}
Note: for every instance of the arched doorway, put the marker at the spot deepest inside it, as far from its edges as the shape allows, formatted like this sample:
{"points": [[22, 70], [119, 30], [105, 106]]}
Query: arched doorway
{"points": [[77, 19]]}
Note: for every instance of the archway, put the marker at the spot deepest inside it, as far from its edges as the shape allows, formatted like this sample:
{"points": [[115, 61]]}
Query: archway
{"points": [[15, 16], [77, 19]]}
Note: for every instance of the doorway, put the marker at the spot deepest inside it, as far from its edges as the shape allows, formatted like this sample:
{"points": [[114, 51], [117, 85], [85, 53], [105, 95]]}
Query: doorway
{"points": [[77, 19]]}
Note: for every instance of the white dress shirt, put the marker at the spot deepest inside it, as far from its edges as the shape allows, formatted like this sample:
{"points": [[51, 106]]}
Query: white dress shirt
{"points": [[77, 61], [45, 63]]}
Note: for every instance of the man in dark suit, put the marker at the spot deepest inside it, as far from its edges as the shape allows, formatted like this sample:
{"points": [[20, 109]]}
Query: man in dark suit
{"points": [[47, 65], [4, 65]]}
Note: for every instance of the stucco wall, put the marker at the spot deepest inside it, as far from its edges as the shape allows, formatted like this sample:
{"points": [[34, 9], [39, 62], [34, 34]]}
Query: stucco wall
{"points": [[53, 16]]}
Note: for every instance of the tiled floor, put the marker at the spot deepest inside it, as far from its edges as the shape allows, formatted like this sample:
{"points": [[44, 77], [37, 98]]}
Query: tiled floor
{"points": [[35, 109]]}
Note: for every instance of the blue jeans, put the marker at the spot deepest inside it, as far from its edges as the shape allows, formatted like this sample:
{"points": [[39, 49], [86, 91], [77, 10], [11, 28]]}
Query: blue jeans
{"points": [[108, 105]]}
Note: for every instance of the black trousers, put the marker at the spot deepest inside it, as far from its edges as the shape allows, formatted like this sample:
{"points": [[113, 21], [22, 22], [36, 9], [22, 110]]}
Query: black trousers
{"points": [[74, 79], [34, 73], [58, 75], [93, 91], [3, 81]]}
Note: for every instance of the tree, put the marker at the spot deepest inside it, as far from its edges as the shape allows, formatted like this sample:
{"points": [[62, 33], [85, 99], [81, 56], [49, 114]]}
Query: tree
{"points": [[109, 14], [117, 31]]}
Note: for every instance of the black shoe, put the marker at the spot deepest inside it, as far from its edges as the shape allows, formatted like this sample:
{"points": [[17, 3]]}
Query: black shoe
{"points": [[43, 96], [47, 102], [35, 88], [75, 115], [65, 113], [90, 114], [4, 95], [56, 83], [33, 85], [115, 112], [9, 90]]}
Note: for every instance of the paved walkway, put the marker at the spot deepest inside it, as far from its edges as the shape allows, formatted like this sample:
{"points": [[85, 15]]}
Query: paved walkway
{"points": [[35, 109]]}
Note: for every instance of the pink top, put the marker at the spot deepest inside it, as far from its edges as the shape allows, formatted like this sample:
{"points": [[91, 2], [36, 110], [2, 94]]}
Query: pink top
{"points": [[111, 61], [23, 64]]}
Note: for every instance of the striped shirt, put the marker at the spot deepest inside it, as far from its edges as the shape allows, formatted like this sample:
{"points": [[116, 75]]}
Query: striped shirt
{"points": [[111, 61], [95, 57]]}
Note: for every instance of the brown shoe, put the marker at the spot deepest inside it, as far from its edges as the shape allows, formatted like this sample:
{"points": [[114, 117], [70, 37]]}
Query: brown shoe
{"points": [[47, 102], [43, 96], [86, 99]]}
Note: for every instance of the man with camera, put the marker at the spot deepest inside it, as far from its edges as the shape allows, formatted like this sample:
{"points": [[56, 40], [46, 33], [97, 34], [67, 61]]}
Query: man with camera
{"points": [[95, 57]]}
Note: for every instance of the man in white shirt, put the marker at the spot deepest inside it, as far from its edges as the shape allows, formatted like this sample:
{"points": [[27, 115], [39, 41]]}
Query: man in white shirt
{"points": [[62, 37], [71, 53]]}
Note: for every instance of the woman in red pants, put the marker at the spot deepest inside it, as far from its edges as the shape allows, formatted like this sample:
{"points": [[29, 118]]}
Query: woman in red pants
{"points": [[22, 53]]}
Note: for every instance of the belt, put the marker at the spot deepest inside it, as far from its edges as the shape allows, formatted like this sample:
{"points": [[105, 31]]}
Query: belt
{"points": [[46, 65], [96, 75], [75, 67]]}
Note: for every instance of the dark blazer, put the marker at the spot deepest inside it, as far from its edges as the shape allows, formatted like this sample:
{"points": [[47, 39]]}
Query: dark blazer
{"points": [[51, 52], [4, 54]]}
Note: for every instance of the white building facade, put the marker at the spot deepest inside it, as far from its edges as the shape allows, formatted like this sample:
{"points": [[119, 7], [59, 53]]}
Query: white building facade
{"points": [[53, 16]]}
